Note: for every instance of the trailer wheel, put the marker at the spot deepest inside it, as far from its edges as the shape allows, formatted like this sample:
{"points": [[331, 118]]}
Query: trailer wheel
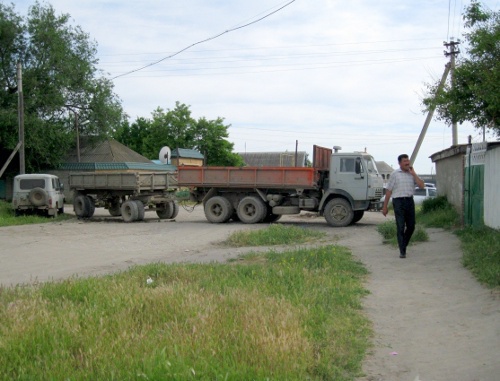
{"points": [[175, 209], [167, 210], [130, 211], [82, 206], [218, 209], [338, 212], [251, 210], [140, 210], [358, 214], [92, 206], [114, 208], [38, 196]]}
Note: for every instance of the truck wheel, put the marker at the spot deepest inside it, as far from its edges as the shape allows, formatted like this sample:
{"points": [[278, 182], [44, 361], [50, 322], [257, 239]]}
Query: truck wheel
{"points": [[92, 206], [114, 207], [167, 210], [82, 206], [130, 211], [358, 214], [140, 210], [218, 209], [251, 210], [338, 212], [38, 196]]}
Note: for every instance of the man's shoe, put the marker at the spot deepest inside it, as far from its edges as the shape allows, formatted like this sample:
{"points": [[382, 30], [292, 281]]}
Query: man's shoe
{"points": [[402, 256]]}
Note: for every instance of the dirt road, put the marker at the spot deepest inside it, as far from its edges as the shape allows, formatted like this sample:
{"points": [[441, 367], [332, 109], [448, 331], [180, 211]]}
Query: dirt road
{"points": [[432, 320]]}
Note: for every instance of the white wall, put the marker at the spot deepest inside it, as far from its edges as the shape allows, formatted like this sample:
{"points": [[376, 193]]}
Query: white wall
{"points": [[491, 188]]}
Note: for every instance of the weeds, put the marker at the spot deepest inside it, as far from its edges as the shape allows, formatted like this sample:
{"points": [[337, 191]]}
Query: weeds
{"points": [[8, 217], [293, 315], [275, 234]]}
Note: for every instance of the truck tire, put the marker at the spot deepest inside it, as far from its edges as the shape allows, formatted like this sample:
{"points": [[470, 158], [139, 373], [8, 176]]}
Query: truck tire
{"points": [[140, 210], [130, 211], [218, 209], [38, 196], [338, 212], [92, 206], [358, 214], [251, 210], [167, 210], [175, 209], [82, 206], [114, 208]]}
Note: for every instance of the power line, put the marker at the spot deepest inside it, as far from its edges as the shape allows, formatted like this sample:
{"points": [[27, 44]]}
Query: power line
{"points": [[208, 39]]}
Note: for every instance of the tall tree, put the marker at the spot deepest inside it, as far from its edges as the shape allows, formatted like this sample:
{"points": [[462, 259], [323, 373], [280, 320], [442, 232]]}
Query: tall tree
{"points": [[61, 82], [475, 93], [178, 129]]}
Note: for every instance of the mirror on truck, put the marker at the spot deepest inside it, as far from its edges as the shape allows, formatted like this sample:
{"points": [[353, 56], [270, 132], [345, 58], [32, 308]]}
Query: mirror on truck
{"points": [[358, 167]]}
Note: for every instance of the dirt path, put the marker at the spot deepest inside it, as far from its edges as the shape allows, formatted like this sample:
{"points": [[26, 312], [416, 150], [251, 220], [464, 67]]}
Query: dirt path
{"points": [[432, 320]]}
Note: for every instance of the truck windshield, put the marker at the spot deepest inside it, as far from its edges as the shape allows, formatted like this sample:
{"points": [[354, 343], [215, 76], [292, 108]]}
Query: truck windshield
{"points": [[371, 166]]}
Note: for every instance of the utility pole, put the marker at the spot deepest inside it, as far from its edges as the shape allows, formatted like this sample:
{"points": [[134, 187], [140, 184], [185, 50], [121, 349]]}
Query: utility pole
{"points": [[452, 53], [22, 165]]}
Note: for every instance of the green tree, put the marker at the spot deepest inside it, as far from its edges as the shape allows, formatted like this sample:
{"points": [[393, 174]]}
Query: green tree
{"points": [[475, 94], [178, 129], [60, 81]]}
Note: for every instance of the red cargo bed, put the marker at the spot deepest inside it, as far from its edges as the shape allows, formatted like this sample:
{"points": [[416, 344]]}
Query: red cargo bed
{"points": [[243, 177]]}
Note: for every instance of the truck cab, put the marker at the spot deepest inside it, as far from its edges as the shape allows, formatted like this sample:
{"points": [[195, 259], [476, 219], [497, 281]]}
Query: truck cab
{"points": [[354, 185], [38, 193]]}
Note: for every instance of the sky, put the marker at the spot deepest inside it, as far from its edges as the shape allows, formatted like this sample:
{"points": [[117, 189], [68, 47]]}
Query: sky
{"points": [[325, 72]]}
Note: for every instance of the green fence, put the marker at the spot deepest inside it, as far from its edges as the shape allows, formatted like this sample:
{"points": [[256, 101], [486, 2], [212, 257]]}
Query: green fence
{"points": [[474, 185]]}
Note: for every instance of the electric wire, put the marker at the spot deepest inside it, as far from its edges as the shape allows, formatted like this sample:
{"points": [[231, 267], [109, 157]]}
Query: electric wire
{"points": [[205, 40]]}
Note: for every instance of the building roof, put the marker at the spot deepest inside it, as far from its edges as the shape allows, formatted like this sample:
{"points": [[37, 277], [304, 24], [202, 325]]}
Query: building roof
{"points": [[108, 151], [383, 167], [274, 159], [187, 153]]}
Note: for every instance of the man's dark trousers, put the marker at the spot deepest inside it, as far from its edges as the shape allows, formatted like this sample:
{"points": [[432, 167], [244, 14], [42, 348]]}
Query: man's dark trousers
{"points": [[404, 210]]}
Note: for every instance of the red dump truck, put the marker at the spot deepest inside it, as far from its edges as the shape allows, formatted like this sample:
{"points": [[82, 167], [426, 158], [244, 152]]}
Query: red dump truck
{"points": [[339, 186]]}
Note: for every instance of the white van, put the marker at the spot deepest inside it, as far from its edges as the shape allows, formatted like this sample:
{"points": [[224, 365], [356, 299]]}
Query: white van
{"points": [[38, 193]]}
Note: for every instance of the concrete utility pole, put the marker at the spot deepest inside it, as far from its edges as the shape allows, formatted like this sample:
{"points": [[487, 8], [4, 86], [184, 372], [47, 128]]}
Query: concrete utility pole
{"points": [[22, 165], [449, 67], [452, 53]]}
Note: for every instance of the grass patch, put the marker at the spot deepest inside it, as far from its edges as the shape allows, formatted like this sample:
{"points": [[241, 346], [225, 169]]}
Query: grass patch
{"points": [[8, 217], [389, 233], [289, 316], [481, 248], [275, 234], [438, 213]]}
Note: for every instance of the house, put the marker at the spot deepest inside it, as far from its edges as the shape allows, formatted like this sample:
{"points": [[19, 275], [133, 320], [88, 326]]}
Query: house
{"points": [[385, 170], [190, 157], [468, 176], [275, 159]]}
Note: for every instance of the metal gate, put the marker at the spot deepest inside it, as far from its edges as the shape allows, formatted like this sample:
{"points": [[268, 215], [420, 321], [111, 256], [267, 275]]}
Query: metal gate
{"points": [[474, 184]]}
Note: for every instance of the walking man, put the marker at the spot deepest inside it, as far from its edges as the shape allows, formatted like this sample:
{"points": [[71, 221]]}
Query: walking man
{"points": [[401, 187]]}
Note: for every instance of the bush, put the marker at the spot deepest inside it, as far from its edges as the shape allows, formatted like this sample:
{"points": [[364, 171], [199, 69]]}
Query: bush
{"points": [[438, 213]]}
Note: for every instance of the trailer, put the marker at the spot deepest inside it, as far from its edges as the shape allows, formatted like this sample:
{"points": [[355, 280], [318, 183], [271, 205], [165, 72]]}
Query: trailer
{"points": [[129, 194], [339, 186]]}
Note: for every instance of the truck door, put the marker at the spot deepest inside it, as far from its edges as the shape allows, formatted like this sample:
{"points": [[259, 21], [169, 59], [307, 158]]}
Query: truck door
{"points": [[350, 175]]}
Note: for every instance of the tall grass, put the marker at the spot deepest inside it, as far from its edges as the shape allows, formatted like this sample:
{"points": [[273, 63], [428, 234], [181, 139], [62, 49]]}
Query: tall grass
{"points": [[289, 316], [275, 234], [8, 217], [388, 232], [481, 247], [438, 212]]}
